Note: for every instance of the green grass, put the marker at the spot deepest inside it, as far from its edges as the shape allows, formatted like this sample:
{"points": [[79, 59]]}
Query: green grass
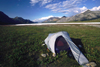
{"points": [[21, 46]]}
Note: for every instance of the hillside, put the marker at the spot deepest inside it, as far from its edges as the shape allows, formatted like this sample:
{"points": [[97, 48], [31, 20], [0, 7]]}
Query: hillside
{"points": [[52, 20], [92, 20], [22, 21], [4, 20], [87, 15]]}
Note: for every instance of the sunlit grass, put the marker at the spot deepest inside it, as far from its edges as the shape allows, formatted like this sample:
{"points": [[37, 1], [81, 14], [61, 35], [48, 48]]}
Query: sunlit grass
{"points": [[21, 46]]}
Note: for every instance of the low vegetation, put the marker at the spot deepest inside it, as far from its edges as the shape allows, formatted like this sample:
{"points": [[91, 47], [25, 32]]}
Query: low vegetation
{"points": [[93, 20], [21, 46]]}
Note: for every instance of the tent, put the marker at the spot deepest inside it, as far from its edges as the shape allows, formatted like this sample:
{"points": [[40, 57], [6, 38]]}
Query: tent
{"points": [[60, 41]]}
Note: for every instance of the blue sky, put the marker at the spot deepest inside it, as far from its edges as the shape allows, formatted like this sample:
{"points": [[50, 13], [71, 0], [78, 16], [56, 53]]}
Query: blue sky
{"points": [[38, 10]]}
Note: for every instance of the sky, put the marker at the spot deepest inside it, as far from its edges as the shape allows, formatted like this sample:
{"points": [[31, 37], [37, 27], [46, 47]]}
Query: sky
{"points": [[39, 10]]}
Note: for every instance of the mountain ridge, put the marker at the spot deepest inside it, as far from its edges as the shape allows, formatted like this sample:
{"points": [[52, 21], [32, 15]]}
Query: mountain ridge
{"points": [[6, 20], [51, 20], [21, 20], [87, 15]]}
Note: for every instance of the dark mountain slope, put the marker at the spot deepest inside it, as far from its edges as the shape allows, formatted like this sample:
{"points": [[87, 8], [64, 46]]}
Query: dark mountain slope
{"points": [[5, 20], [22, 21]]}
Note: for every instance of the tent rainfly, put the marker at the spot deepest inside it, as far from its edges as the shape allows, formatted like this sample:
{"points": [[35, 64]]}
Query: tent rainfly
{"points": [[61, 41]]}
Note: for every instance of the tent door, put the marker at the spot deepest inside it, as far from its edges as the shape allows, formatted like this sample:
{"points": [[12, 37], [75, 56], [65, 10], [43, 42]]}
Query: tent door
{"points": [[61, 45]]}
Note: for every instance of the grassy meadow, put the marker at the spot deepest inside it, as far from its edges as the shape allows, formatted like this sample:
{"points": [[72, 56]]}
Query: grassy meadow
{"points": [[20, 46]]}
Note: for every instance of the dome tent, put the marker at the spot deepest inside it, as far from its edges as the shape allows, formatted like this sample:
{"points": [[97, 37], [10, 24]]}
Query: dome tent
{"points": [[52, 37], [55, 41]]}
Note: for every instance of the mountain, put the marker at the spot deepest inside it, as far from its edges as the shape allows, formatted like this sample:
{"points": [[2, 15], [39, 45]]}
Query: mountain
{"points": [[23, 21], [51, 20], [63, 17], [5, 20], [87, 15]]}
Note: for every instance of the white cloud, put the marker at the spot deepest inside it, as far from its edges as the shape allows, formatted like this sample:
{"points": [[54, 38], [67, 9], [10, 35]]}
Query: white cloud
{"points": [[95, 8], [46, 1], [65, 6], [43, 2], [33, 2], [53, 6], [75, 10], [42, 18], [70, 3], [83, 9]]}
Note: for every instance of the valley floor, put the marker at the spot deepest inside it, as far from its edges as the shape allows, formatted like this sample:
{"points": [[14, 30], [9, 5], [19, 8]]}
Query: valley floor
{"points": [[20, 46]]}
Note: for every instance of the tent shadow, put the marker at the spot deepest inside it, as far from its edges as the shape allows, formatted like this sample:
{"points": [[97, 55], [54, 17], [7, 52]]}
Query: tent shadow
{"points": [[79, 44]]}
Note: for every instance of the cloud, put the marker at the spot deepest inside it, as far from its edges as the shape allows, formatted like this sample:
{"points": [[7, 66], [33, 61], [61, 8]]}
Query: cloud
{"points": [[42, 19], [46, 1], [64, 6], [43, 2], [83, 9], [33, 2], [95, 8]]}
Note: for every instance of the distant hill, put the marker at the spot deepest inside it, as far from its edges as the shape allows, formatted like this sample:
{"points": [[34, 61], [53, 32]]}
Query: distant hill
{"points": [[87, 15], [5, 20], [23, 21], [52, 20]]}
